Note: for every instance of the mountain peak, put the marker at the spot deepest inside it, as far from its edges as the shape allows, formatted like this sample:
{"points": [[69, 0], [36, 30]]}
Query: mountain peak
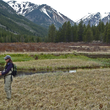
{"points": [[11, 22], [22, 8], [94, 18], [43, 15]]}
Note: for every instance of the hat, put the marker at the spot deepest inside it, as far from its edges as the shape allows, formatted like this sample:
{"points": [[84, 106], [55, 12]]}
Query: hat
{"points": [[7, 57]]}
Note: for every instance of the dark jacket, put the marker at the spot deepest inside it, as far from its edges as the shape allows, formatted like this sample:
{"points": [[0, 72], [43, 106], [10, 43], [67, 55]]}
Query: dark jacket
{"points": [[8, 68]]}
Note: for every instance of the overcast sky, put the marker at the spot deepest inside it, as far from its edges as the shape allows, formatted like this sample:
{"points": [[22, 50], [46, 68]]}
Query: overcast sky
{"points": [[75, 9]]}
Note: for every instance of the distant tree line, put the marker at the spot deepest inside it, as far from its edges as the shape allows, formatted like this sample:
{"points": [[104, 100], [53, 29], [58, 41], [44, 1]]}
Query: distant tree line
{"points": [[80, 32], [6, 36], [66, 33]]}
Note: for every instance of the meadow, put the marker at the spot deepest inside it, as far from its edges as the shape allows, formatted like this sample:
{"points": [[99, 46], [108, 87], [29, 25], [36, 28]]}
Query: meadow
{"points": [[83, 90], [51, 56], [39, 62], [87, 89]]}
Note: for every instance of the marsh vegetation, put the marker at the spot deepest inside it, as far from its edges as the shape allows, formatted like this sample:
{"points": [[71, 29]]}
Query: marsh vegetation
{"points": [[86, 89], [50, 62]]}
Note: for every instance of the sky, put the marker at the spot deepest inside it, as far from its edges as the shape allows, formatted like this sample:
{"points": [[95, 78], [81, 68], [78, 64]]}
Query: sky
{"points": [[75, 9]]}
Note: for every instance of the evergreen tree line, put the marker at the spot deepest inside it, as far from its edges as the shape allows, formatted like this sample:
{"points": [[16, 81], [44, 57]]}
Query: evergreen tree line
{"points": [[66, 33], [6, 36], [80, 32]]}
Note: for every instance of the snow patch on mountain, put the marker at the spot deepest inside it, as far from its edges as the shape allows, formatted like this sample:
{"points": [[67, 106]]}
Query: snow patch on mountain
{"points": [[15, 6], [94, 18], [60, 15], [87, 17], [44, 11], [43, 15], [103, 15], [23, 7]]}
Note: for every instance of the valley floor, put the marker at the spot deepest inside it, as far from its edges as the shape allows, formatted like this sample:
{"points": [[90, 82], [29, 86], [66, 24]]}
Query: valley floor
{"points": [[87, 89], [83, 90]]}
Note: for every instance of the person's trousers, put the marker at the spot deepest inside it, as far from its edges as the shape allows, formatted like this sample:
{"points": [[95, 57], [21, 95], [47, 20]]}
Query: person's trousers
{"points": [[8, 81]]}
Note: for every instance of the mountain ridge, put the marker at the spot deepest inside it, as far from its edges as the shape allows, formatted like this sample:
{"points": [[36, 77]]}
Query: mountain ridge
{"points": [[94, 18], [18, 24], [43, 15]]}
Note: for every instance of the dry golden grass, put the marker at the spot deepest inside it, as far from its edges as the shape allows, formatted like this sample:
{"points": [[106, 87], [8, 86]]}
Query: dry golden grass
{"points": [[93, 53], [59, 53], [83, 90], [56, 63]]}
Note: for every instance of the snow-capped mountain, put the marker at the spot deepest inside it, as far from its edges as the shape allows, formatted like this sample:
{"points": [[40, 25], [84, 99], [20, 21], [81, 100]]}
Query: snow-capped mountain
{"points": [[16, 24], [94, 18], [106, 18], [22, 8], [43, 15]]}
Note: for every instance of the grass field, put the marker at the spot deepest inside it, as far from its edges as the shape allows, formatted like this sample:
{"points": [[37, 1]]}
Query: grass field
{"points": [[83, 90], [54, 64], [32, 61], [16, 57]]}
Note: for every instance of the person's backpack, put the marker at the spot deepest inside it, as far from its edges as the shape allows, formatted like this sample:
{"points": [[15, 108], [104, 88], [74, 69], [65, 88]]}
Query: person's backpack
{"points": [[14, 72]]}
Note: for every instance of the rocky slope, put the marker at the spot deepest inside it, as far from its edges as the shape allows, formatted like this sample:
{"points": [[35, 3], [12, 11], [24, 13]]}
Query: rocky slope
{"points": [[18, 24], [43, 15], [94, 18]]}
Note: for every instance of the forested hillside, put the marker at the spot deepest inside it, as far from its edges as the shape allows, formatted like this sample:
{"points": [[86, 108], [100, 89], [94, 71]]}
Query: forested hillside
{"points": [[80, 32], [17, 26]]}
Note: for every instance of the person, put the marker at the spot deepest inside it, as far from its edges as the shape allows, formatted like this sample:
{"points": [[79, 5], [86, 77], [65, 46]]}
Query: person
{"points": [[7, 75]]}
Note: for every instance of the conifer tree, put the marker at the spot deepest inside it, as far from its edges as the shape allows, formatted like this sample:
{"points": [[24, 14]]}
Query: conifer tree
{"points": [[38, 39], [89, 35], [101, 26], [68, 32], [74, 33], [52, 33], [108, 34], [63, 32], [97, 34], [80, 31], [105, 33]]}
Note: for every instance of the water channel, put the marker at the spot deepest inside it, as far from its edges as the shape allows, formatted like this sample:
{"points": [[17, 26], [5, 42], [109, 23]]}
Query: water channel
{"points": [[21, 73]]}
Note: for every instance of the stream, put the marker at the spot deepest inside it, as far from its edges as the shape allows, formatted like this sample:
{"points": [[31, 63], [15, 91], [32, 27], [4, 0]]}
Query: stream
{"points": [[21, 73]]}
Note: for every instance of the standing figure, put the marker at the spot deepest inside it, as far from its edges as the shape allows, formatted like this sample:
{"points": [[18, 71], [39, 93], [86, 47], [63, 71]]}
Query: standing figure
{"points": [[7, 75]]}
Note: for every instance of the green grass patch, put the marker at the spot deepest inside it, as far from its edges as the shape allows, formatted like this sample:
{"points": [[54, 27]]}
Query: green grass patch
{"points": [[66, 56], [54, 60], [16, 58], [104, 61]]}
